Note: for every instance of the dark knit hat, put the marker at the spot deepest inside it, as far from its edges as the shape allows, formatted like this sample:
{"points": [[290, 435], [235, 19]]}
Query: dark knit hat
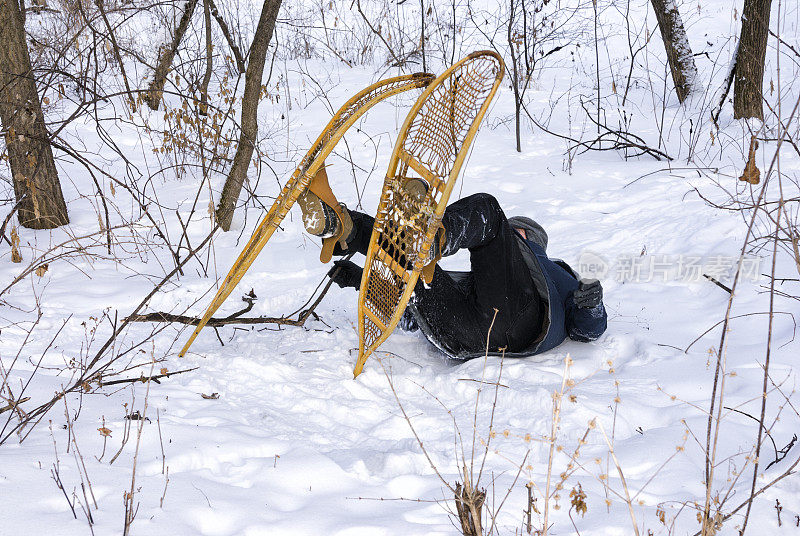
{"points": [[535, 232]]}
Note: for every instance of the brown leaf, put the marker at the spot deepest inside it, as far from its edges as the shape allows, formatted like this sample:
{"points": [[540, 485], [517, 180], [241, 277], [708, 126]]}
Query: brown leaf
{"points": [[42, 269], [751, 173], [15, 255], [164, 370], [212, 396], [105, 432], [578, 500]]}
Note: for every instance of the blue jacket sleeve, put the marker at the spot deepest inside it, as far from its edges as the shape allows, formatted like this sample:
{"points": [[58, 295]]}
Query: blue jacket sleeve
{"points": [[585, 325]]}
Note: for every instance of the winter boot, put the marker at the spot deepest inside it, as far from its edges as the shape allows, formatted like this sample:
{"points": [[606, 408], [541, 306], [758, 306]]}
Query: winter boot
{"points": [[417, 189], [320, 219], [324, 216]]}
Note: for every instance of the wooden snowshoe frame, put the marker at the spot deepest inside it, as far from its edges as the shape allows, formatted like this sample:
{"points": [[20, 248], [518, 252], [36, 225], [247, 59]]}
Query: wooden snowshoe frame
{"points": [[433, 144], [302, 179]]}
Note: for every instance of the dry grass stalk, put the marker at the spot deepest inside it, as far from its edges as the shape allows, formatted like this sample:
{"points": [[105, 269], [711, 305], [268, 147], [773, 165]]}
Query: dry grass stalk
{"points": [[128, 497], [469, 498], [628, 499], [558, 397]]}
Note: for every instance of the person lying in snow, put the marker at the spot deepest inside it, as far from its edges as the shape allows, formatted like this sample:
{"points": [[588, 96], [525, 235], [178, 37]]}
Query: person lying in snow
{"points": [[539, 301]]}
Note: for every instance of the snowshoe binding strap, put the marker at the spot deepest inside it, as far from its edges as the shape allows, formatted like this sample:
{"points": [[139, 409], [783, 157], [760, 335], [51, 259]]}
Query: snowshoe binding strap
{"points": [[434, 255]]}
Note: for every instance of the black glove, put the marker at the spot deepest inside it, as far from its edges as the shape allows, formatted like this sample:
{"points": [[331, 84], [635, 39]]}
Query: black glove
{"points": [[345, 274], [589, 294]]}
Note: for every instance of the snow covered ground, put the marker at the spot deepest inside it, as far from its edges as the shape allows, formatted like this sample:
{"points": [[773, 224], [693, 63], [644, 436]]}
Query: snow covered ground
{"points": [[285, 441]]}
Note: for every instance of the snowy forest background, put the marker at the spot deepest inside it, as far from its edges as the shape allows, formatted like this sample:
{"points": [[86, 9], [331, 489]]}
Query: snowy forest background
{"points": [[656, 141]]}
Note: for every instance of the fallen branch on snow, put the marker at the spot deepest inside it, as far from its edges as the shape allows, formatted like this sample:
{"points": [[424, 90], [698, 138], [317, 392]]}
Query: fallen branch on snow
{"points": [[145, 379], [237, 318]]}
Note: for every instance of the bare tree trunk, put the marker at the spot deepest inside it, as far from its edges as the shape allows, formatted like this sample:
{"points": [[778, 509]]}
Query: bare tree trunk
{"points": [[237, 54], [515, 74], [422, 37], [726, 87], [749, 75], [156, 88], [252, 93], [209, 60], [679, 53], [33, 169]]}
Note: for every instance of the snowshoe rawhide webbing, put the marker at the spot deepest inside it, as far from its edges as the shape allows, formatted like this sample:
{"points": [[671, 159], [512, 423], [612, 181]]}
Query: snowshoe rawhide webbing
{"points": [[302, 179], [432, 145]]}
